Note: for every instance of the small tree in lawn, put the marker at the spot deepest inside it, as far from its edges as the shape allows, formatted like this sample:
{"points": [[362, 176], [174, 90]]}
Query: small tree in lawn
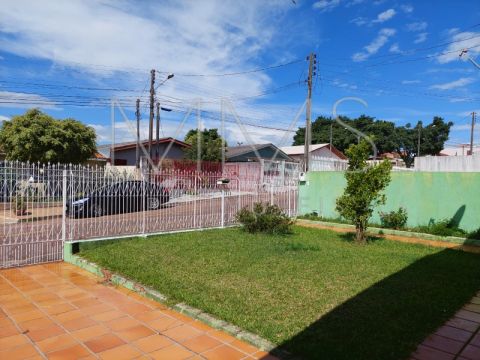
{"points": [[365, 184]]}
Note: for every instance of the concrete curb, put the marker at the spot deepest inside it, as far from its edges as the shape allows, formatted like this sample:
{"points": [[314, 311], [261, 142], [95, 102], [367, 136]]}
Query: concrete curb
{"points": [[182, 308], [382, 231], [16, 220]]}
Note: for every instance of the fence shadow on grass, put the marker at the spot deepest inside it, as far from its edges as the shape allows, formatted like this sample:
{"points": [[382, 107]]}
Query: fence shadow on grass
{"points": [[389, 319]]}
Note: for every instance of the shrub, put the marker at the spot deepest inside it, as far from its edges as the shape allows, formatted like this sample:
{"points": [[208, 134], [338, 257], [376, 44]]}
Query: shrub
{"points": [[19, 206], [265, 218], [364, 190], [474, 234], [446, 227], [394, 219]]}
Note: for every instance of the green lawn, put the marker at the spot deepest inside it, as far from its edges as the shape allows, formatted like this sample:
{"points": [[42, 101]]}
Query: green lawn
{"points": [[314, 293]]}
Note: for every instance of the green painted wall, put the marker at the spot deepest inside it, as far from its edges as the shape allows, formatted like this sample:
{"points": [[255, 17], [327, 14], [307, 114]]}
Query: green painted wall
{"points": [[427, 196]]}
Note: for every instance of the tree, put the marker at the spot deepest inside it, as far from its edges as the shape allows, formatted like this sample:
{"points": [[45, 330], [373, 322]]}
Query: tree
{"points": [[432, 139], [363, 192], [211, 144], [388, 137], [383, 131], [38, 137]]}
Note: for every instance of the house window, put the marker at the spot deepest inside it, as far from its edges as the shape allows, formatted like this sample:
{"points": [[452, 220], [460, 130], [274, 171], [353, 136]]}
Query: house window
{"points": [[120, 162]]}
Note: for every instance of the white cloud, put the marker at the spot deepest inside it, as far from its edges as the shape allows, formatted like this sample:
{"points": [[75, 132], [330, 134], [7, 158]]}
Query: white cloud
{"points": [[458, 100], [395, 49], [359, 21], [281, 116], [342, 84], [100, 37], [417, 26], [462, 40], [407, 8], [25, 100], [453, 84], [185, 37], [422, 37], [354, 2], [326, 5], [410, 82], [385, 16], [382, 38], [382, 17]]}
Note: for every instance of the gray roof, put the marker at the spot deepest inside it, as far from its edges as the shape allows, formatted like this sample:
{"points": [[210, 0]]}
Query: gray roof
{"points": [[233, 151]]}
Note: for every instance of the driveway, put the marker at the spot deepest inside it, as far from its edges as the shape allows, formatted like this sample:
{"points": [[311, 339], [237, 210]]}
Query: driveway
{"points": [[58, 311]]}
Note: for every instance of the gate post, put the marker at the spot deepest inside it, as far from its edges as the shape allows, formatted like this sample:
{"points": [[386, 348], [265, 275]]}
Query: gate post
{"points": [[271, 193], [64, 205], [223, 208]]}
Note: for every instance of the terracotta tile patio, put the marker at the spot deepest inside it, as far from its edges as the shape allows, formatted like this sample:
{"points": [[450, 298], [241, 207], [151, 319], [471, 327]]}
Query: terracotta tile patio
{"points": [[59, 311], [458, 338]]}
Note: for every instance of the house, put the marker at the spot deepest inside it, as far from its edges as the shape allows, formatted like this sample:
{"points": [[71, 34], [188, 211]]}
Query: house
{"points": [[460, 150], [245, 153], [394, 158], [125, 153], [316, 150], [97, 160]]}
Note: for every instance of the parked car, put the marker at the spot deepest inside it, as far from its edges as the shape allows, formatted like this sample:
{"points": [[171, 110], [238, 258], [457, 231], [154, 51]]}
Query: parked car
{"points": [[118, 198]]}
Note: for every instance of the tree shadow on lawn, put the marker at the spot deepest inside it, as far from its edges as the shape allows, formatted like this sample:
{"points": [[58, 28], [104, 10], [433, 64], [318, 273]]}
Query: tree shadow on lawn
{"points": [[350, 237], [389, 319]]}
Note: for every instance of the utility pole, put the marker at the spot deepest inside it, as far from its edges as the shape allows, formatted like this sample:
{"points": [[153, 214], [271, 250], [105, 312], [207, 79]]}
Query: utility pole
{"points": [[472, 132], [157, 131], [150, 125], [308, 125], [112, 149], [419, 134], [137, 153], [331, 135]]}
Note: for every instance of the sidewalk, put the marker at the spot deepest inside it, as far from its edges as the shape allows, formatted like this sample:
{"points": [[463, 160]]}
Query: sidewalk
{"points": [[458, 338], [33, 214], [59, 311]]}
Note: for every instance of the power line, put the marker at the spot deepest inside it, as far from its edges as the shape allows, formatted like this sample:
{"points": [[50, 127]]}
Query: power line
{"points": [[239, 72], [419, 58]]}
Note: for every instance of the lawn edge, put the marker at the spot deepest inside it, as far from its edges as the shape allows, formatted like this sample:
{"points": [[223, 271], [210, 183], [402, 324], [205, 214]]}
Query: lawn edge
{"points": [[383, 231], [194, 313]]}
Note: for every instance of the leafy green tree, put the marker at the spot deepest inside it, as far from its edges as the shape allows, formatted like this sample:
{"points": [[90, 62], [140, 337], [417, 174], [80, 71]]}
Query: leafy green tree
{"points": [[342, 138], [211, 144], [432, 139], [36, 136], [388, 138], [363, 192]]}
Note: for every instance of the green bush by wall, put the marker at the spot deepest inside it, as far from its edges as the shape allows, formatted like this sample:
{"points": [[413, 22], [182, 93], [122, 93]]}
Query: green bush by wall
{"points": [[427, 196]]}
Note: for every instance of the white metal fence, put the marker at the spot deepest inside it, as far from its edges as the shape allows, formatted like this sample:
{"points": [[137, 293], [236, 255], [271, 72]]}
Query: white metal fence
{"points": [[470, 163], [43, 206], [318, 163], [329, 164]]}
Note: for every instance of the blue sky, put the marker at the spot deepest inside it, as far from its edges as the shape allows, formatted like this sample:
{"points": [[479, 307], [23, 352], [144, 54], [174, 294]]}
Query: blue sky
{"points": [[401, 57]]}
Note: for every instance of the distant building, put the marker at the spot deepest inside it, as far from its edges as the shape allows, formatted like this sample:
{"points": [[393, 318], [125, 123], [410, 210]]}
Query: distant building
{"points": [[394, 158], [246, 153], [125, 153], [460, 150], [316, 150], [97, 160]]}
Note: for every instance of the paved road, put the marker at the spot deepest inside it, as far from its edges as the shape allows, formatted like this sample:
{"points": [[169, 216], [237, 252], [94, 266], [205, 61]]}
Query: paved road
{"points": [[40, 241]]}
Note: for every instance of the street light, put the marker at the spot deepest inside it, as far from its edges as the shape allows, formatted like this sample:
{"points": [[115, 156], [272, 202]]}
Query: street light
{"points": [[166, 79], [159, 108], [464, 52]]}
